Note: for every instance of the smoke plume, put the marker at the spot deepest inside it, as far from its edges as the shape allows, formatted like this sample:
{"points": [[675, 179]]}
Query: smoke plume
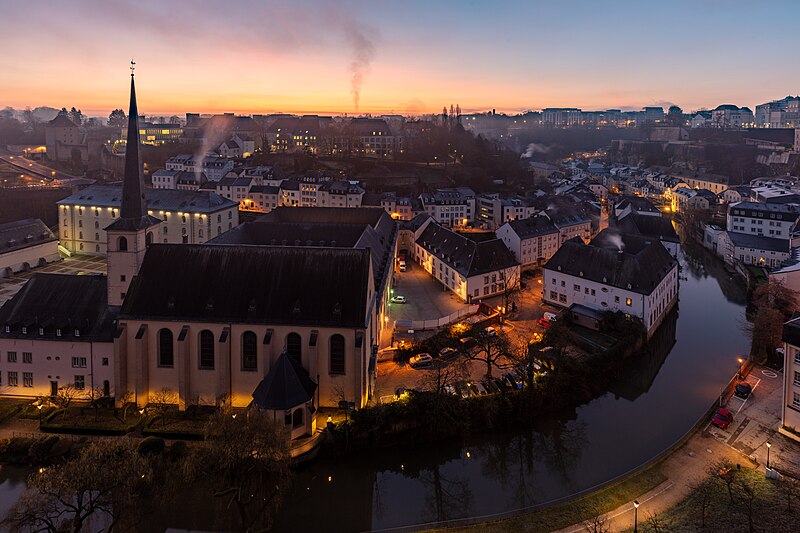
{"points": [[535, 148], [616, 240], [361, 40]]}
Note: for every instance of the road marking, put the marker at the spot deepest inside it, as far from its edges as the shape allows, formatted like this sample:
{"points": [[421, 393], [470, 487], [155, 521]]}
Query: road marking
{"points": [[770, 374], [744, 401]]}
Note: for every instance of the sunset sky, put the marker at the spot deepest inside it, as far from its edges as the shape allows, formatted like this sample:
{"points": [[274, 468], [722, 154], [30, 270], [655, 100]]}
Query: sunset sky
{"points": [[307, 56]]}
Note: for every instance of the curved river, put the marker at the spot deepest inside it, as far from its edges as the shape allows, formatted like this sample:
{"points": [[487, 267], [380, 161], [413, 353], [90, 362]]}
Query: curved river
{"points": [[662, 394]]}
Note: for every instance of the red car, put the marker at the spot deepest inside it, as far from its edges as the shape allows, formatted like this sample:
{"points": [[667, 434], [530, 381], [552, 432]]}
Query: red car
{"points": [[722, 418], [544, 322]]}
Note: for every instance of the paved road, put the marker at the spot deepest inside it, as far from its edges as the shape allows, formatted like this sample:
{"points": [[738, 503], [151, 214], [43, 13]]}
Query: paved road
{"points": [[33, 168]]}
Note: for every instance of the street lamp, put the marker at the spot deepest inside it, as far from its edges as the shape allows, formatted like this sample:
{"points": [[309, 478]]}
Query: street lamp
{"points": [[740, 367], [635, 516], [768, 447]]}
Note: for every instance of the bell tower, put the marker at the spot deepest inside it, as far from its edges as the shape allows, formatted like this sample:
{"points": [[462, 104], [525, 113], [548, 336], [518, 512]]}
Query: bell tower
{"points": [[129, 235]]}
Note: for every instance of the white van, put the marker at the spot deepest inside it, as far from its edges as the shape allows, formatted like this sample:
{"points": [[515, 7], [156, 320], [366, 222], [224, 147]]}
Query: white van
{"points": [[550, 317]]}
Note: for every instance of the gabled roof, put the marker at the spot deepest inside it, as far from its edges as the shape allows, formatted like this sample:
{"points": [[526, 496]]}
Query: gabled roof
{"points": [[759, 242], [647, 226], [639, 267], [465, 256], [59, 302], [23, 234], [262, 285], [533, 226], [61, 121], [287, 385]]}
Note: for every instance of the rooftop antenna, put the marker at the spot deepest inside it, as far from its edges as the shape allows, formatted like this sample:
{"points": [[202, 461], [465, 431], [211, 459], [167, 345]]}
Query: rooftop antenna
{"points": [[133, 67]]}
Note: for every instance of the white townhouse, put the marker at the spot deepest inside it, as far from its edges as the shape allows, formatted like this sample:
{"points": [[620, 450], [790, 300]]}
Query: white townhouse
{"points": [[450, 207], [773, 220], [57, 331], [533, 241], [614, 273], [790, 410], [472, 270]]}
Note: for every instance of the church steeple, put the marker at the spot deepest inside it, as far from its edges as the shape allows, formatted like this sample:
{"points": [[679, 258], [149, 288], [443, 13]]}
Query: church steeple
{"points": [[133, 204]]}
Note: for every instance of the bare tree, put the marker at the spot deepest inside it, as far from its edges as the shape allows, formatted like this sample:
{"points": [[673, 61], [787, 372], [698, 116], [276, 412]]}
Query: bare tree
{"points": [[509, 284], [161, 402], [66, 395], [747, 498], [125, 400], [724, 471], [527, 363], [492, 351], [105, 486], [597, 524], [246, 463], [703, 491], [655, 524], [791, 489]]}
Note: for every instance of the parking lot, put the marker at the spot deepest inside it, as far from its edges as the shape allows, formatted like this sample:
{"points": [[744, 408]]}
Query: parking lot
{"points": [[70, 265], [756, 421], [426, 298]]}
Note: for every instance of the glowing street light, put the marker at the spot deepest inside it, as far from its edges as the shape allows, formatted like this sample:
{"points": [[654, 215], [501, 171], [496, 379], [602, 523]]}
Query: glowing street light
{"points": [[741, 361], [635, 516], [768, 447]]}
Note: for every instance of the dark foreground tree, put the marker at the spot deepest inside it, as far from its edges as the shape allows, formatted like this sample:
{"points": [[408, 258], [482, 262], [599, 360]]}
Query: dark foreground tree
{"points": [[245, 462], [104, 488]]}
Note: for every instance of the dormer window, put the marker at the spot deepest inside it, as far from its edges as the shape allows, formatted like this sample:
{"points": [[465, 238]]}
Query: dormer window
{"points": [[8, 329], [77, 333], [58, 332], [24, 330], [41, 331]]}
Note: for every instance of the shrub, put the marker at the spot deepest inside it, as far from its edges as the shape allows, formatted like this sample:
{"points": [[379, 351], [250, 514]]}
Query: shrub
{"points": [[151, 446]]}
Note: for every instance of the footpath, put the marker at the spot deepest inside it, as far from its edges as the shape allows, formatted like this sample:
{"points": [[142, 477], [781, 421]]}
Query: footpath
{"points": [[756, 421]]}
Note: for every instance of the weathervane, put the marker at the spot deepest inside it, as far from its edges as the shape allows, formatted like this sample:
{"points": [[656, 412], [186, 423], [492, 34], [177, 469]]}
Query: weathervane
{"points": [[133, 67]]}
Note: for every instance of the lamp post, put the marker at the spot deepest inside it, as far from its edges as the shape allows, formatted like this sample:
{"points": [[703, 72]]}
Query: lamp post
{"points": [[635, 516], [39, 407], [740, 367], [768, 447]]}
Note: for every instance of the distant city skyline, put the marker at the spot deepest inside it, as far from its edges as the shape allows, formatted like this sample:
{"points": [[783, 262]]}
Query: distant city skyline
{"points": [[309, 56]]}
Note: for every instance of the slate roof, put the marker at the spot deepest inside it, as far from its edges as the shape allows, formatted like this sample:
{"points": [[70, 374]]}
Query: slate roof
{"points": [[23, 234], [415, 223], [640, 267], [759, 242], [265, 189], [251, 284], [532, 227], [61, 121], [637, 203], [656, 227], [286, 385], [156, 199], [465, 256], [60, 301]]}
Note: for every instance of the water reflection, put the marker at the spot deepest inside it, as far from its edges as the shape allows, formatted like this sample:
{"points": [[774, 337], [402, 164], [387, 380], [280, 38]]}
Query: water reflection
{"points": [[657, 398]]}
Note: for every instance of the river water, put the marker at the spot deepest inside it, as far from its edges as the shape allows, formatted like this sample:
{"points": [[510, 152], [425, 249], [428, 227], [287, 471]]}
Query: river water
{"points": [[662, 394]]}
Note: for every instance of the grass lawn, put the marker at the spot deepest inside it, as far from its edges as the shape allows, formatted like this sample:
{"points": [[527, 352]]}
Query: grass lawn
{"points": [[84, 420], [775, 507], [10, 407], [575, 511]]}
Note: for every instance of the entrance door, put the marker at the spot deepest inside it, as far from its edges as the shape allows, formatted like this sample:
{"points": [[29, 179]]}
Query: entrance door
{"points": [[54, 388], [106, 388]]}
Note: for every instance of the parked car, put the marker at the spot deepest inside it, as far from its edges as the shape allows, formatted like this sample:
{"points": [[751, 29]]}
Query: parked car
{"points": [[513, 380], [481, 389], [552, 317], [544, 322], [502, 384], [722, 418], [490, 330], [450, 389], [743, 390], [420, 360], [447, 352], [466, 342], [490, 386], [399, 299]]}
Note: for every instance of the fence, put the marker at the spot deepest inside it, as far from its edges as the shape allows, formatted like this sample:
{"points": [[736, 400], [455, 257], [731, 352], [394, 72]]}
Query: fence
{"points": [[422, 325]]}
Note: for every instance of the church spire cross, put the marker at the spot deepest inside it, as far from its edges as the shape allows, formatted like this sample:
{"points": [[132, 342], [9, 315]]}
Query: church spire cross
{"points": [[133, 67]]}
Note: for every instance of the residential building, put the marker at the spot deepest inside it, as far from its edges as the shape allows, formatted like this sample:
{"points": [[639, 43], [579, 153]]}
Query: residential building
{"points": [[631, 275], [756, 250], [650, 228], [450, 207], [729, 116], [188, 216], [492, 211], [769, 220], [471, 270], [213, 166], [790, 409], [570, 223], [58, 331], [561, 117], [25, 244], [533, 241]]}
